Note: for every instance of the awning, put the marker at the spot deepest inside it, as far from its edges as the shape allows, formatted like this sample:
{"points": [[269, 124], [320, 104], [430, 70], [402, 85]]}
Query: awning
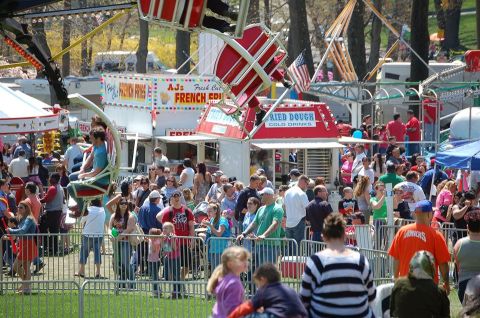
{"points": [[132, 136], [189, 138], [298, 145], [351, 140]]}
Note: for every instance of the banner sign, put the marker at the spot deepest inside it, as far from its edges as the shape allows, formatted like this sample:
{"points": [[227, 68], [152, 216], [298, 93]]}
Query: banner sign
{"points": [[127, 91], [165, 92], [291, 120], [84, 127], [179, 132]]}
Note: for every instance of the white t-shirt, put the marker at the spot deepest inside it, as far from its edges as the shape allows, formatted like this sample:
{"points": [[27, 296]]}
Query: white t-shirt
{"points": [[162, 161], [190, 175], [367, 173], [72, 152], [357, 164], [295, 202], [412, 193], [19, 167], [94, 222]]}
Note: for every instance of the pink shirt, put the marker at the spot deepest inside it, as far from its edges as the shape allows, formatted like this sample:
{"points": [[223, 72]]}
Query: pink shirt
{"points": [[347, 168], [445, 197], [154, 247]]}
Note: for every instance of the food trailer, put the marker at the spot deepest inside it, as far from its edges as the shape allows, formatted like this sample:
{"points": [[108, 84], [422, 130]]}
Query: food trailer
{"points": [[153, 106], [305, 127]]}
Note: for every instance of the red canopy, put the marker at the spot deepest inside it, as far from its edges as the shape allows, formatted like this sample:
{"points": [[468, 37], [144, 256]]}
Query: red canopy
{"points": [[293, 119]]}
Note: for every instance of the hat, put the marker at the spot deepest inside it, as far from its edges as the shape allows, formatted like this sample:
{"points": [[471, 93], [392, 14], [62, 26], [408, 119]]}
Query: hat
{"points": [[295, 172], [177, 193], [260, 171], [423, 206], [218, 173], [154, 195], [138, 177], [267, 190], [366, 117]]}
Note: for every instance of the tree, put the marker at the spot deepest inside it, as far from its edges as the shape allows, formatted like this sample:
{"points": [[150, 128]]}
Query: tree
{"points": [[299, 37], [478, 23], [142, 51], [356, 40], [67, 30], [182, 51], [419, 42], [375, 39], [253, 12]]}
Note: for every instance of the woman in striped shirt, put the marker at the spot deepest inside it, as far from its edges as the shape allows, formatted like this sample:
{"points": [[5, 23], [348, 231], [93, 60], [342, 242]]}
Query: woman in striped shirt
{"points": [[337, 281]]}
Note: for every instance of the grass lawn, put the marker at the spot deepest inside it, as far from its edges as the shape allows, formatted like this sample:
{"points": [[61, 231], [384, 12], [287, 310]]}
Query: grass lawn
{"points": [[106, 304], [102, 305]]}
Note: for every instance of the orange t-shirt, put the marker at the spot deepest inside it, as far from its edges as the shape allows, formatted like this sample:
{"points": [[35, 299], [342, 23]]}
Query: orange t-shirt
{"points": [[413, 238], [36, 206]]}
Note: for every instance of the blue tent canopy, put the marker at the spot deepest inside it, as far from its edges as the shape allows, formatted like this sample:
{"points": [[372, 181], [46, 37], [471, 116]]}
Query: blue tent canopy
{"points": [[466, 156]]}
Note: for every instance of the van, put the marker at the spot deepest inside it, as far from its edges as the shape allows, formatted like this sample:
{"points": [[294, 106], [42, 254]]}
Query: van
{"points": [[125, 61]]}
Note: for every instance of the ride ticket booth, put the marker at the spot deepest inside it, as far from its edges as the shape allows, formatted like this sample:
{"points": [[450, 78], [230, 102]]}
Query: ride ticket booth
{"points": [[309, 128]]}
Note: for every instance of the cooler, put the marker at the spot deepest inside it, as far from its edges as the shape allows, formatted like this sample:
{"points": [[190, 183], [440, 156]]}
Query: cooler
{"points": [[292, 266]]}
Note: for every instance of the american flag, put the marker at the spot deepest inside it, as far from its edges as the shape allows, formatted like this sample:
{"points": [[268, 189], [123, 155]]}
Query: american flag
{"points": [[299, 74]]}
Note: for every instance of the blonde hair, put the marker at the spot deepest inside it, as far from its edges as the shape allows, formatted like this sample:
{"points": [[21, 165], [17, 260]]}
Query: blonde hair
{"points": [[187, 194], [28, 210], [361, 186], [168, 225], [234, 253], [449, 184]]}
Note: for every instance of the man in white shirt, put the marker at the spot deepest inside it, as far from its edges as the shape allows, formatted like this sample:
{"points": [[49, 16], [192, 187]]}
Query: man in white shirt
{"points": [[19, 166], [159, 158], [357, 163], [412, 192], [295, 202], [367, 171], [72, 152], [92, 237]]}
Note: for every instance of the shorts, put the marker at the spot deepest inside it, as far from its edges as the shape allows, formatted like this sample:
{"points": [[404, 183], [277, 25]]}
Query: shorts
{"points": [[185, 256]]}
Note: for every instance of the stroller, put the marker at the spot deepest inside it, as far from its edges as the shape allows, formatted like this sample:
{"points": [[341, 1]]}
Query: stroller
{"points": [[200, 213]]}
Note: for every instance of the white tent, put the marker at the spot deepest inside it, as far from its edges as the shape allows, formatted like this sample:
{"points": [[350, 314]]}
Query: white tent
{"points": [[21, 114]]}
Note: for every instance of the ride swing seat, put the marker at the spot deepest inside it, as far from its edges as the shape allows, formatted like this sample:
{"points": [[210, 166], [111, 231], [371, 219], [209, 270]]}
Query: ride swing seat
{"points": [[92, 188], [245, 66], [185, 15]]}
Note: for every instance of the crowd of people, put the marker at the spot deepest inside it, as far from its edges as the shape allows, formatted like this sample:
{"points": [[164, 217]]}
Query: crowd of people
{"points": [[172, 210]]}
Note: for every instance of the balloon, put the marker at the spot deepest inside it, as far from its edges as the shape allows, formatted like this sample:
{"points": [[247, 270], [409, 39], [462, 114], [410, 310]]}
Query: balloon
{"points": [[357, 134], [114, 232]]}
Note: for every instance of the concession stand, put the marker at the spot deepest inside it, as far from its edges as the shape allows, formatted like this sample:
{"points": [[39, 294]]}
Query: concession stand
{"points": [[150, 106], [306, 128]]}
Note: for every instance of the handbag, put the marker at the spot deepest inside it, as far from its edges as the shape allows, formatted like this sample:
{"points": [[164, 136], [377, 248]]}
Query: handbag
{"points": [[444, 210], [136, 237]]}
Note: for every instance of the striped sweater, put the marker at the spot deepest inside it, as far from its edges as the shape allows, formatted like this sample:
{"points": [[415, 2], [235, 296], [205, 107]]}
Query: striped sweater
{"points": [[338, 285]]}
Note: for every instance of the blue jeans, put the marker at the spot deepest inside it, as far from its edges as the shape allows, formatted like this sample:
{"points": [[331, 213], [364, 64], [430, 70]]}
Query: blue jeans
{"points": [[317, 236], [265, 254], [153, 269], [172, 272], [214, 259], [89, 243], [297, 233], [123, 252]]}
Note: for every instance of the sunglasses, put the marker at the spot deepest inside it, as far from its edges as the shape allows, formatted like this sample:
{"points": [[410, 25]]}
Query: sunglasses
{"points": [[123, 203], [176, 196], [170, 180]]}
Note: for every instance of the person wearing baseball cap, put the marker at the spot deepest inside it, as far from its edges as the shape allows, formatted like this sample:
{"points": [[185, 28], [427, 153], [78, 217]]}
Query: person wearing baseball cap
{"points": [[215, 190], [294, 175], [147, 219], [268, 225], [420, 236]]}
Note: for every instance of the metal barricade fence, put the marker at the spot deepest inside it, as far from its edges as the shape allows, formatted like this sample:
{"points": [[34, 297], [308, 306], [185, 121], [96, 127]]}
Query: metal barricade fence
{"points": [[45, 299]]}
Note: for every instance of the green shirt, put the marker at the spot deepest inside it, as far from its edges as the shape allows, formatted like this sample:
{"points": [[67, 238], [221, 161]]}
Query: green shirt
{"points": [[264, 218], [391, 178], [379, 213]]}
